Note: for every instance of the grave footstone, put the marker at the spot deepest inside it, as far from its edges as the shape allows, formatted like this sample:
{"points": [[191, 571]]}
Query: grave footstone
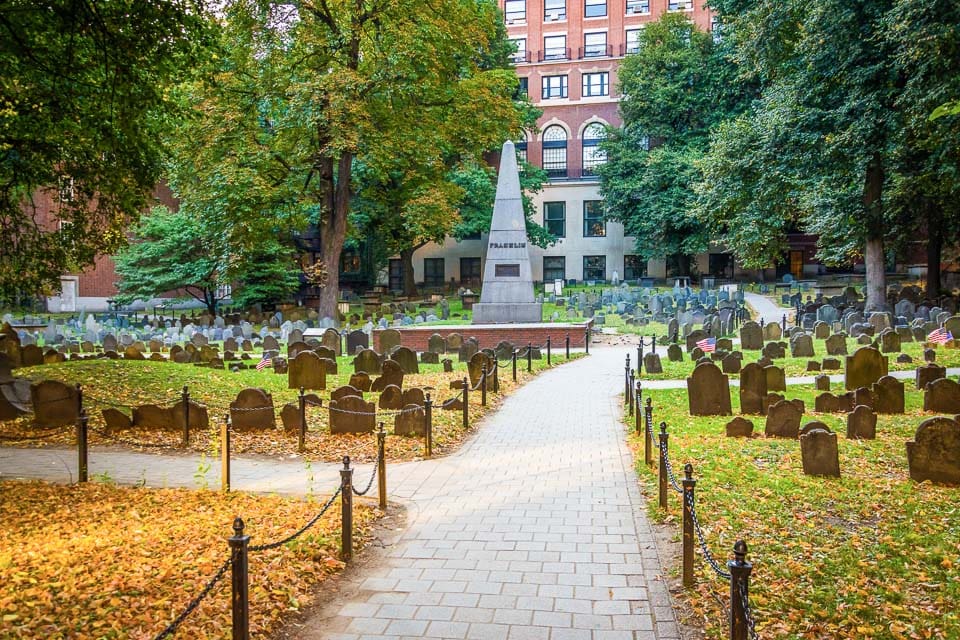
{"points": [[116, 420], [447, 365], [831, 364], [861, 423], [819, 453], [934, 452], [822, 382]]}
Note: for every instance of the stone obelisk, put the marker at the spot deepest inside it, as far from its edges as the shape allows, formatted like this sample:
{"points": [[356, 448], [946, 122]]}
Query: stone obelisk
{"points": [[507, 293]]}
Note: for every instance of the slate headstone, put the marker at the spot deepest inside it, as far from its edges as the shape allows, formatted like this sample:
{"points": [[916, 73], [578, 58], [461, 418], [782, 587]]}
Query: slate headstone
{"points": [[861, 423], [934, 452], [783, 420], [708, 391], [819, 453]]}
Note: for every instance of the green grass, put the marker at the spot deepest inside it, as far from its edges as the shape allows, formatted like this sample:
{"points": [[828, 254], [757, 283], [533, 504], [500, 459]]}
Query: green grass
{"points": [[872, 554]]}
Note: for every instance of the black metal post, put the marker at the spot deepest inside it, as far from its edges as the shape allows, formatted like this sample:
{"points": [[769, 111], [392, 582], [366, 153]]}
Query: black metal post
{"points": [[496, 376], [302, 431], [663, 484], [79, 388], [428, 411], [548, 351], [185, 398], [586, 338], [346, 511], [225, 454], [382, 462], [689, 485], [647, 426], [636, 414], [640, 352], [466, 402], [784, 323], [626, 380], [82, 446], [514, 357], [483, 385], [739, 590], [567, 345], [653, 344], [630, 396], [529, 357], [240, 602]]}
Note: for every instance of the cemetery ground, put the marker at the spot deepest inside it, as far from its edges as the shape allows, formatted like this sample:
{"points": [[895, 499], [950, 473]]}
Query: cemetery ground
{"points": [[152, 551], [123, 384], [871, 554]]}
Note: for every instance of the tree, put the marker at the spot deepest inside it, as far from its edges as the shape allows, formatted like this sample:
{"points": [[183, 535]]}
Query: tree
{"points": [[300, 93], [676, 88], [175, 251], [83, 102]]}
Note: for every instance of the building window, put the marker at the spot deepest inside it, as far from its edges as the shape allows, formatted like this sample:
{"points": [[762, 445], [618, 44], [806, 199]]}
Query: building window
{"points": [[554, 10], [554, 87], [634, 267], [596, 84], [638, 6], [555, 151], [554, 268], [595, 44], [680, 5], [593, 155], [433, 272], [515, 10], [555, 218], [633, 40], [594, 267], [470, 273], [715, 28], [521, 147], [594, 8], [593, 224], [523, 88], [555, 47], [721, 265], [350, 262], [66, 190], [521, 53]]}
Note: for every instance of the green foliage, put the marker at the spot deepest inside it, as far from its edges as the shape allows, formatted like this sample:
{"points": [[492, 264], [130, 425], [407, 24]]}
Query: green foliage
{"points": [[83, 105]]}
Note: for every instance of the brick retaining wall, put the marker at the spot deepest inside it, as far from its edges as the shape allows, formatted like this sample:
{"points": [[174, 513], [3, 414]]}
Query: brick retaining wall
{"points": [[416, 338]]}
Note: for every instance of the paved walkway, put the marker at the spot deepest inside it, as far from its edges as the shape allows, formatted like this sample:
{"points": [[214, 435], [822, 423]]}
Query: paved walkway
{"points": [[765, 308]]}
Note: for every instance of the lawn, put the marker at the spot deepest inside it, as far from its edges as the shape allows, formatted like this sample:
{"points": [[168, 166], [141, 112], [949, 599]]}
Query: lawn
{"points": [[126, 383], [97, 561], [872, 554]]}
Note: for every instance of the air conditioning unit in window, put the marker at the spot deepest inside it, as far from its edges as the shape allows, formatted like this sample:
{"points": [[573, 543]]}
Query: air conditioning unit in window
{"points": [[553, 16]]}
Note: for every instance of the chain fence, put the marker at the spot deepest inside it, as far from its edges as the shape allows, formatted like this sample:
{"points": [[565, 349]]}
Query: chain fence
{"points": [[190, 608]]}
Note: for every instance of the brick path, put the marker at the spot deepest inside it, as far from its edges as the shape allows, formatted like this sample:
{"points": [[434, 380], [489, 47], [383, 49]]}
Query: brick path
{"points": [[535, 530]]}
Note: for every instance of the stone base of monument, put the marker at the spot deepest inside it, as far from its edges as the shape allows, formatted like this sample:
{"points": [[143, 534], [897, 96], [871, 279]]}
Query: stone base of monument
{"points": [[507, 312]]}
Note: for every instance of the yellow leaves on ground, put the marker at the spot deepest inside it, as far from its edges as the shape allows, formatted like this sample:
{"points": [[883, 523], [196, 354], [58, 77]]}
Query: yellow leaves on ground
{"points": [[97, 561]]}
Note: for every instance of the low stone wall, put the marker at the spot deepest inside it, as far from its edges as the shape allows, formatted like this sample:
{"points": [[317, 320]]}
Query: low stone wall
{"points": [[489, 335]]}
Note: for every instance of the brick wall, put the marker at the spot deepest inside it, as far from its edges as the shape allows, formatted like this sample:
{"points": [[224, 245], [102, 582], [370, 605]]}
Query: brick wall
{"points": [[417, 338]]}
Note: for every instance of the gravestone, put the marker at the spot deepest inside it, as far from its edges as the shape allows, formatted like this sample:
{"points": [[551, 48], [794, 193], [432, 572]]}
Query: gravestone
{"points": [[269, 344], [415, 396], [776, 378], [928, 373], [772, 331], [307, 370], [151, 416], [156, 346], [802, 346], [466, 351], [296, 348], [479, 363], [651, 363], [331, 340], [739, 428], [708, 391], [813, 366], [774, 350], [454, 341], [32, 355], [447, 365], [819, 453], [436, 344], [411, 421], [367, 361], [116, 420], [290, 418], [890, 341], [360, 381], [942, 396], [731, 362], [674, 353], [783, 420], [821, 382], [693, 338], [864, 367], [407, 360], [696, 354], [389, 339], [55, 404], [929, 355], [430, 357], [357, 339], [821, 330], [934, 452], [392, 373], [751, 336], [826, 403], [391, 397], [836, 344], [830, 364], [861, 423], [346, 390], [252, 410], [352, 414], [199, 417], [753, 388], [888, 396]]}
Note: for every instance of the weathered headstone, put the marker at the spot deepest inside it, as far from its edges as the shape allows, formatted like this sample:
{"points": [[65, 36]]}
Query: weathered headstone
{"points": [[407, 360], [307, 370], [391, 397], [739, 428], [651, 363], [753, 388], [367, 361], [890, 341], [751, 336], [357, 340], [928, 373], [151, 416], [447, 365], [864, 367], [772, 331], [888, 396], [708, 391], [822, 382], [801, 346], [252, 410], [776, 378], [454, 341], [352, 414], [674, 353], [942, 396], [819, 454], [116, 420], [861, 423], [836, 344], [55, 404], [344, 391], [411, 421], [436, 344], [934, 452], [331, 340], [783, 420]]}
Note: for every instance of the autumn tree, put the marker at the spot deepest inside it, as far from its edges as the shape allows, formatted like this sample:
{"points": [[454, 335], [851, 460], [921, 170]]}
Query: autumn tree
{"points": [[302, 93], [83, 105]]}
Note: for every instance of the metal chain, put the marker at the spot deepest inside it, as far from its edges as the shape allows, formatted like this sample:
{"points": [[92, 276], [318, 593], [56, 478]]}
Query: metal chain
{"points": [[132, 443], [302, 530], [748, 612], [691, 501], [9, 438], [173, 626], [666, 458], [369, 484]]}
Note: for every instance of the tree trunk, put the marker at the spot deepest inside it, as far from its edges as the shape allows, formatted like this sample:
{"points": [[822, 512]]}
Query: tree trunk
{"points": [[333, 229], [409, 281], [873, 254], [934, 250]]}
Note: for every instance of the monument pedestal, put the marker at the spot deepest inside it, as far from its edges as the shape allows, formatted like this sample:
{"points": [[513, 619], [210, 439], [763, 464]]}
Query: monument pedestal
{"points": [[507, 312]]}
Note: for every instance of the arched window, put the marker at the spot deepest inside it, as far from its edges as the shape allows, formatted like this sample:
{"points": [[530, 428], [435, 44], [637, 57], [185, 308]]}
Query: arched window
{"points": [[593, 156], [555, 151]]}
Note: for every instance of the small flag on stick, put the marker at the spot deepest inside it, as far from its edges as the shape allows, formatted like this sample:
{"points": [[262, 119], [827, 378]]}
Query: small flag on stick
{"points": [[264, 362], [708, 345], [940, 336]]}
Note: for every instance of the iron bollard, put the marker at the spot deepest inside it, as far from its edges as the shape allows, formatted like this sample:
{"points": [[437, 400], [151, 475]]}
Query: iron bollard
{"points": [[302, 431], [185, 398], [346, 511], [529, 357], [240, 601], [382, 463], [784, 323], [636, 401], [739, 591], [567, 345], [496, 376], [82, 447], [630, 396], [225, 455], [79, 388], [548, 351], [466, 402], [689, 485], [664, 451], [653, 344], [483, 386], [514, 365], [640, 352], [647, 435], [428, 418], [626, 380], [586, 338]]}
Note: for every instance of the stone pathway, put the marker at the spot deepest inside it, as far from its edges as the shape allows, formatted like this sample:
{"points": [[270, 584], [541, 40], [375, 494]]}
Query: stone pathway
{"points": [[765, 308]]}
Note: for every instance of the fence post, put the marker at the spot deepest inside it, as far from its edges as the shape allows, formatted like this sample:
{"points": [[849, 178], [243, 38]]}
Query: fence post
{"points": [[586, 338], [636, 402], [240, 604], [514, 365], [640, 352], [653, 344], [529, 357], [689, 485], [382, 463], [466, 402], [483, 385], [664, 452], [185, 398], [633, 384], [626, 380], [346, 511], [567, 345], [302, 432], [548, 351], [739, 590], [784, 323], [82, 446], [225, 455], [79, 388], [428, 417], [647, 435], [496, 375]]}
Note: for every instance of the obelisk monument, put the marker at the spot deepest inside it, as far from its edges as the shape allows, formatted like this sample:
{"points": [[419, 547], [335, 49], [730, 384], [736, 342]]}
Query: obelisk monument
{"points": [[507, 293]]}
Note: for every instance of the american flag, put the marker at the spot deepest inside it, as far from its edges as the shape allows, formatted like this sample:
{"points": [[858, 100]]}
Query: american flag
{"points": [[708, 345], [940, 336], [264, 362]]}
